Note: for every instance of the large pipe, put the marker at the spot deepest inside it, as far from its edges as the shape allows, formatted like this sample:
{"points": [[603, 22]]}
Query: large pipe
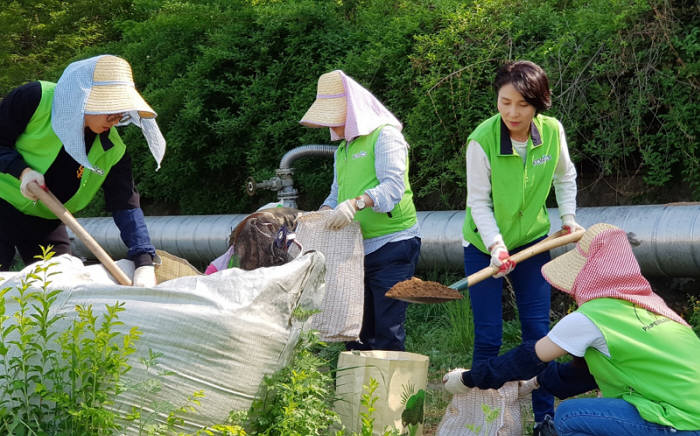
{"points": [[665, 238]]}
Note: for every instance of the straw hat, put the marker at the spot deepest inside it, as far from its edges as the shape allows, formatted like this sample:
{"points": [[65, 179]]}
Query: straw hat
{"points": [[113, 90], [602, 265], [330, 107], [561, 272]]}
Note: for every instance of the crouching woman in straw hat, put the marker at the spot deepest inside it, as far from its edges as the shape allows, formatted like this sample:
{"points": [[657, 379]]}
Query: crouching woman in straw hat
{"points": [[370, 185], [625, 340], [61, 136]]}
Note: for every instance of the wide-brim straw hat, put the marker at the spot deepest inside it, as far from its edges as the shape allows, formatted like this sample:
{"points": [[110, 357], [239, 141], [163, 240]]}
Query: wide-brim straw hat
{"points": [[561, 272], [330, 107], [113, 90]]}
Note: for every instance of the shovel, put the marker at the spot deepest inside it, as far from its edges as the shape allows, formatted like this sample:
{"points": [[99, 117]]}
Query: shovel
{"points": [[67, 218], [418, 291]]}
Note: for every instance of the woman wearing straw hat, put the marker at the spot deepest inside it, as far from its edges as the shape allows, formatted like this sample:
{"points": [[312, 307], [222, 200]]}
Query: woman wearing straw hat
{"points": [[370, 185], [627, 342], [62, 137], [513, 159]]}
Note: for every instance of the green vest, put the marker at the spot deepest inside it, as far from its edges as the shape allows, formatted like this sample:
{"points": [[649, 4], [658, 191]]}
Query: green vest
{"points": [[655, 363], [519, 192], [354, 164], [39, 147]]}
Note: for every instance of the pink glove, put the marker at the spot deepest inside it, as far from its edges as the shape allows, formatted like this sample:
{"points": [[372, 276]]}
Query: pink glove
{"points": [[342, 215], [30, 176], [500, 258], [569, 224]]}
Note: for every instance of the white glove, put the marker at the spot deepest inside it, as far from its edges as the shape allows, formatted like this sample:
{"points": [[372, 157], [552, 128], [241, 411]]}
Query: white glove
{"points": [[145, 276], [452, 381], [30, 176], [342, 215], [500, 258], [569, 224]]}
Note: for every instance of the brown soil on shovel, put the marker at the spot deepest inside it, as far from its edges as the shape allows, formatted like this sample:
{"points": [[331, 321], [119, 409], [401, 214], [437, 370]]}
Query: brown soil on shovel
{"points": [[416, 290]]}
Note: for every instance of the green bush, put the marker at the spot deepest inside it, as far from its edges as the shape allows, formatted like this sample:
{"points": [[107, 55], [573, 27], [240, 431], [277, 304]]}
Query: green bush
{"points": [[231, 79]]}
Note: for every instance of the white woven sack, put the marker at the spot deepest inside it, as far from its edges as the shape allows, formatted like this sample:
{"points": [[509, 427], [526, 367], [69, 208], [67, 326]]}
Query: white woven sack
{"points": [[220, 333], [340, 318], [483, 412]]}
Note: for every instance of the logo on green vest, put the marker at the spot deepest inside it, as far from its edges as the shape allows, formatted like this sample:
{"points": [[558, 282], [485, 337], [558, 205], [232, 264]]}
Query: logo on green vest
{"points": [[541, 161]]}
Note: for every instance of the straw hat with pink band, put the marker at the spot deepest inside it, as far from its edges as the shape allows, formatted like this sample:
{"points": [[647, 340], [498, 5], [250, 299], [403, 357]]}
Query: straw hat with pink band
{"points": [[341, 101], [602, 265]]}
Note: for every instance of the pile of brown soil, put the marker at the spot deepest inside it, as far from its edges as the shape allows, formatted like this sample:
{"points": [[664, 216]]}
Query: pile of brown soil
{"points": [[416, 290]]}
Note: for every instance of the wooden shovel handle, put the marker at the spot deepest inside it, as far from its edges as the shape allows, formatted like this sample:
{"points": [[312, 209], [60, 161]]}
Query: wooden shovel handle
{"points": [[67, 218], [552, 241]]}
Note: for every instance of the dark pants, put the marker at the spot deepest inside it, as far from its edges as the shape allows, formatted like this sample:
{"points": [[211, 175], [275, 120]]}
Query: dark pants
{"points": [[532, 296], [383, 317], [26, 234]]}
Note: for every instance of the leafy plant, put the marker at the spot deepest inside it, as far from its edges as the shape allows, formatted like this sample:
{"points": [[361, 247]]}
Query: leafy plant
{"points": [[297, 400], [53, 383], [61, 376]]}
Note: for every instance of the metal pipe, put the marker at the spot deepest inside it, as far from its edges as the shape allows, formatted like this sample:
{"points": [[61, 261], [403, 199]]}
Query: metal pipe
{"points": [[305, 151], [665, 238], [283, 181]]}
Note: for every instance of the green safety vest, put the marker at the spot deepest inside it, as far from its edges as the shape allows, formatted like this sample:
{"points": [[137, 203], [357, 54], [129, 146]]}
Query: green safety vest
{"points": [[39, 147], [519, 192], [654, 363], [354, 164]]}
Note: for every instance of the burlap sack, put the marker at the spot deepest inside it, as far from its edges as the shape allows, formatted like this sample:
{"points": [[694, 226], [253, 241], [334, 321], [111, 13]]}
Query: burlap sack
{"points": [[172, 267], [340, 318], [483, 412]]}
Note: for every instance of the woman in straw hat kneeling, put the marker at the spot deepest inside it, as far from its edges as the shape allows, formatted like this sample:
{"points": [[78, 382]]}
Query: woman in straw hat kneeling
{"points": [[370, 185], [62, 137], [626, 341]]}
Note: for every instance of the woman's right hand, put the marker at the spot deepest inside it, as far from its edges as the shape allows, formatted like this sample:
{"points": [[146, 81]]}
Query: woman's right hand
{"points": [[500, 258], [30, 176]]}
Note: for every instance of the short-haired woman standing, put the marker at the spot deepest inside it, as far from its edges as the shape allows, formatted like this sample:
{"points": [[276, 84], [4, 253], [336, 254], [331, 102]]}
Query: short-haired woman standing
{"points": [[513, 159]]}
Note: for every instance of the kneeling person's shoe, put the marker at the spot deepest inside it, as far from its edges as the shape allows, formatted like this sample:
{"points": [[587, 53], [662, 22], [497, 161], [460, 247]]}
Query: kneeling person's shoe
{"points": [[545, 428]]}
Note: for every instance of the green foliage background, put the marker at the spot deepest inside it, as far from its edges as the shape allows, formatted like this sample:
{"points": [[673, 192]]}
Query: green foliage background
{"points": [[231, 78]]}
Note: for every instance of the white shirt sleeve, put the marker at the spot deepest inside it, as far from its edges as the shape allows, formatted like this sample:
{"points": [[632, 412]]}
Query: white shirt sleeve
{"points": [[575, 333], [564, 180], [479, 194]]}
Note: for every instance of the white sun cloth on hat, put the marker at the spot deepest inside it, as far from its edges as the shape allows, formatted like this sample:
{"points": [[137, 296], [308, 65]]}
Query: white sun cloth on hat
{"points": [[100, 85], [341, 101]]}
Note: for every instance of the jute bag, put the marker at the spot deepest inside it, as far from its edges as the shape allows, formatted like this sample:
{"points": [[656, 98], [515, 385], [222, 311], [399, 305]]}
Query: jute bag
{"points": [[340, 317], [483, 412], [402, 379], [172, 267]]}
